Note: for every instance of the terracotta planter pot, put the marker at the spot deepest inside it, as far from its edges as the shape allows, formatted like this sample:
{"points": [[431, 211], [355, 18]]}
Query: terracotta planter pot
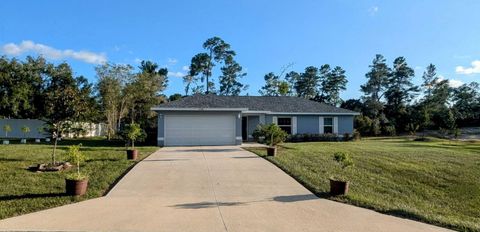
{"points": [[76, 187], [132, 154], [338, 187], [271, 151]]}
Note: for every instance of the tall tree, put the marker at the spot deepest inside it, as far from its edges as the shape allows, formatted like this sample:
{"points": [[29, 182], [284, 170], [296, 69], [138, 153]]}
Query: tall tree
{"points": [[65, 102], [114, 100], [229, 80], [466, 102], [400, 90], [377, 80], [217, 52], [429, 78], [144, 91], [271, 85], [307, 83], [332, 82]]}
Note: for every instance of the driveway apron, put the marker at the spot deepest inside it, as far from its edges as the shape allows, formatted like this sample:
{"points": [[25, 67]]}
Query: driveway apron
{"points": [[209, 189]]}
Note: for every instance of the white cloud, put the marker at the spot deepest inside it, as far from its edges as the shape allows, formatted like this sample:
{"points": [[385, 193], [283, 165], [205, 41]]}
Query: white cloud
{"points": [[451, 82], [53, 53], [455, 83], [185, 68], [475, 68], [176, 74], [137, 60], [172, 61], [373, 10]]}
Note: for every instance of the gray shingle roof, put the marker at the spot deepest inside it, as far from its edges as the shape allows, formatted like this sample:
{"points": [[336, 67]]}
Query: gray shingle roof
{"points": [[255, 103]]}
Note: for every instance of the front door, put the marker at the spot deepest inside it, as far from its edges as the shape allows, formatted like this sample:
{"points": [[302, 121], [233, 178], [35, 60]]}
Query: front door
{"points": [[244, 128]]}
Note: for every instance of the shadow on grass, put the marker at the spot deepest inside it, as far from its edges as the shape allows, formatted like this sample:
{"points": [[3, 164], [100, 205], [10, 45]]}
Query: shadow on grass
{"points": [[10, 160], [31, 196], [92, 143], [103, 159]]}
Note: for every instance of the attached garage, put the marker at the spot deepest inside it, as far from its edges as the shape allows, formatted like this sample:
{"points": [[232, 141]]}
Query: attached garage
{"points": [[193, 129]]}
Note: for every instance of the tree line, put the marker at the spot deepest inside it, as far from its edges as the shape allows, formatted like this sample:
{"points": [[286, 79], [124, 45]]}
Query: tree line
{"points": [[391, 103]]}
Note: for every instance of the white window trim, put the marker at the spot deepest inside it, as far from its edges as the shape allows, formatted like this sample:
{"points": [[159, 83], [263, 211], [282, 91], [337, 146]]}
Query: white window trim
{"points": [[335, 125], [294, 125], [320, 125], [274, 120]]}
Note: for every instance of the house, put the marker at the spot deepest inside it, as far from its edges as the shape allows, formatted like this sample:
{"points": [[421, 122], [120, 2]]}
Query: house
{"points": [[229, 120]]}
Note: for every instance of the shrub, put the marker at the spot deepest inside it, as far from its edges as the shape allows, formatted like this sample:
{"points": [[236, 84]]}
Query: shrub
{"points": [[412, 128], [272, 134], [344, 160], [75, 156], [390, 130], [356, 135], [132, 133], [347, 137]]}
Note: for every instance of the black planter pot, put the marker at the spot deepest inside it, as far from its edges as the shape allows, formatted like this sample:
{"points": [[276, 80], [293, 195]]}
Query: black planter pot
{"points": [[338, 187], [76, 187], [271, 151], [132, 154]]}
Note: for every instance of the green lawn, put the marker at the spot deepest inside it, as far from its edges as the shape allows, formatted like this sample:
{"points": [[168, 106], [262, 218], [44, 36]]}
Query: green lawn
{"points": [[23, 191], [436, 182]]}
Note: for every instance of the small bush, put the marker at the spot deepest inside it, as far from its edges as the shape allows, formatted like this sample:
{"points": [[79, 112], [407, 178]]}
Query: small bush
{"points": [[390, 130], [356, 135], [75, 156], [271, 134], [347, 137], [343, 159]]}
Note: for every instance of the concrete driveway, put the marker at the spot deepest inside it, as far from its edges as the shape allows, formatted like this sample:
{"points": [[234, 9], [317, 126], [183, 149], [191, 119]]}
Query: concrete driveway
{"points": [[209, 189]]}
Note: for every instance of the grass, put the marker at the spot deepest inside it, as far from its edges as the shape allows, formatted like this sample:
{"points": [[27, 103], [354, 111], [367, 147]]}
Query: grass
{"points": [[437, 182], [23, 191]]}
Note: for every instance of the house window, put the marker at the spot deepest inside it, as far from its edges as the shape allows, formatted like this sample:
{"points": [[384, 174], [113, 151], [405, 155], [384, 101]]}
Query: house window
{"points": [[285, 124], [328, 125]]}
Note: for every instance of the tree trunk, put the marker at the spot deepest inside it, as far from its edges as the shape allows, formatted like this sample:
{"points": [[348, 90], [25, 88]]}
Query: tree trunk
{"points": [[54, 161]]}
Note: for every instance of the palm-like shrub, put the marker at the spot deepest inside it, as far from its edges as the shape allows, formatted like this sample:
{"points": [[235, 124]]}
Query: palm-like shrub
{"points": [[75, 156], [272, 134]]}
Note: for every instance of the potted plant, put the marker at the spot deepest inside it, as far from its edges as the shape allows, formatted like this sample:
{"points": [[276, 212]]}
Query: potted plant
{"points": [[132, 133], [273, 135], [7, 128], [339, 183], [76, 183], [25, 130]]}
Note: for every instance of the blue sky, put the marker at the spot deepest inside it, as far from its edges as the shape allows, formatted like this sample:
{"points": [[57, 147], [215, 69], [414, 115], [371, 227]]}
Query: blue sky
{"points": [[265, 34]]}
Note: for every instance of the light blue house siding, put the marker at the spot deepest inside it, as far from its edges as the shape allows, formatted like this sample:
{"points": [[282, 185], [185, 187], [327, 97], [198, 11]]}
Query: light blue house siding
{"points": [[309, 124]]}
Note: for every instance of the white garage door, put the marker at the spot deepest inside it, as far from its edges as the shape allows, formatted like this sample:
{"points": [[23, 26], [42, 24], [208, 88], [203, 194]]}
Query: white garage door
{"points": [[188, 130]]}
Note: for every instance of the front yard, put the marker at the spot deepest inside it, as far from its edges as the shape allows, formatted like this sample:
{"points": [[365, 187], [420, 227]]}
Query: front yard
{"points": [[436, 182], [23, 191]]}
